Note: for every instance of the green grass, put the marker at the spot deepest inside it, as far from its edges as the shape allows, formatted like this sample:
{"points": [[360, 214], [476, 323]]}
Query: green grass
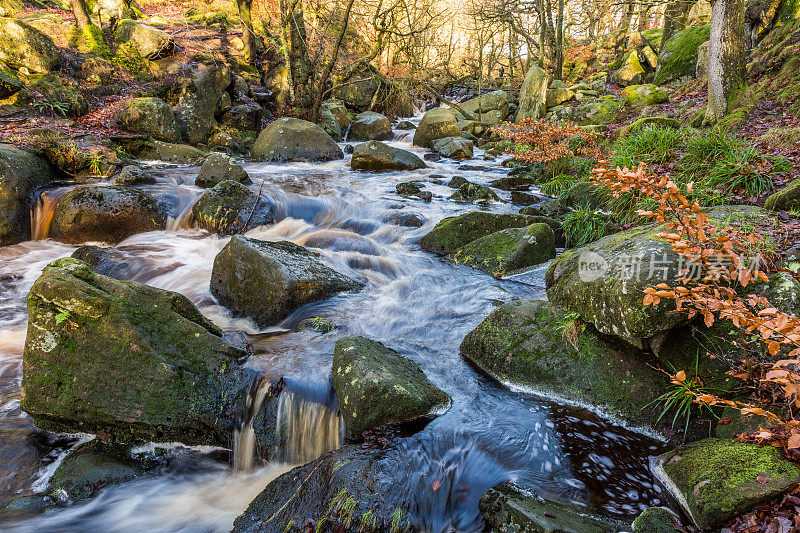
{"points": [[584, 225], [650, 145], [559, 185]]}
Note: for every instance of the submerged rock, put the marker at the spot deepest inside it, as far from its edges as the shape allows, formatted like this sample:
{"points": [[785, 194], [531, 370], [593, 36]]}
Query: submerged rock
{"points": [[293, 139], [436, 124], [21, 174], [524, 344], [149, 116], [506, 507], [454, 232], [375, 155], [230, 207], [132, 361], [219, 167], [717, 479], [371, 126], [107, 213], [509, 250], [268, 280], [376, 386]]}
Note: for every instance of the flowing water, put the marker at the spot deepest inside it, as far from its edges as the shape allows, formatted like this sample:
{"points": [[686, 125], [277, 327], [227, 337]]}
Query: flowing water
{"points": [[413, 302]]}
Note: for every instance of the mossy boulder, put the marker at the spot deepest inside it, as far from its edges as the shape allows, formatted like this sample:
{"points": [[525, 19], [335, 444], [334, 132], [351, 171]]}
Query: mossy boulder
{"points": [[509, 250], [523, 344], [653, 122], [21, 173], [558, 95], [377, 387], [218, 167], [329, 123], [230, 207], [169, 152], [678, 61], [453, 147], [507, 508], [454, 232], [631, 72], [474, 192], [409, 189], [490, 108], [149, 116], [9, 84], [245, 117], [268, 280], [377, 156], [24, 47], [107, 213], [340, 112], [293, 139], [63, 91], [203, 95], [514, 183], [133, 361], [371, 126], [149, 42], [787, 199], [533, 95], [717, 479], [436, 124], [657, 520], [644, 95], [134, 175]]}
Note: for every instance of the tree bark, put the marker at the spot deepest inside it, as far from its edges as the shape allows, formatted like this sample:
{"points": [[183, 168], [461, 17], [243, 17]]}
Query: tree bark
{"points": [[300, 69], [326, 74], [560, 41], [248, 37], [727, 61]]}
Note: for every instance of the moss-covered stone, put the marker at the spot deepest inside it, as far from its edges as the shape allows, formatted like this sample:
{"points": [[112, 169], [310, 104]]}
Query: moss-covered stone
{"points": [[134, 175], [64, 92], [139, 363], [318, 324], [533, 95], [509, 250], [409, 189], [473, 192], [454, 232], [268, 280], [376, 386], [644, 95], [203, 95], [644, 122], [657, 520], [786, 199], [9, 84], [148, 41], [340, 112], [230, 207], [436, 124], [631, 72], [149, 116], [513, 183], [21, 173], [678, 61], [293, 139], [717, 479], [490, 108], [525, 344], [375, 155], [24, 47], [370, 126], [107, 213], [219, 167]]}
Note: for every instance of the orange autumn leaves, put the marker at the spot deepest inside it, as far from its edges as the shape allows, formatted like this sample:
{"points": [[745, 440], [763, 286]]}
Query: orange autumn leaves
{"points": [[717, 266], [541, 141]]}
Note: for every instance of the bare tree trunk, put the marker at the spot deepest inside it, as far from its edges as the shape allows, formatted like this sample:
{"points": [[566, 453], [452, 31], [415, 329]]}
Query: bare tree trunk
{"points": [[624, 28], [92, 35], [248, 37], [727, 61], [560, 41], [326, 74], [301, 72]]}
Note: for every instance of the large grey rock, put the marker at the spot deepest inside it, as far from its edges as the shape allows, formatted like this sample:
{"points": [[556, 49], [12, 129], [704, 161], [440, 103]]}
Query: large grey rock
{"points": [[134, 175], [375, 155], [533, 95], [376, 386], [268, 280], [293, 139], [203, 95], [148, 41], [149, 116], [135, 362], [453, 147], [107, 213], [219, 167], [370, 126], [436, 124], [490, 108], [23, 46], [21, 174]]}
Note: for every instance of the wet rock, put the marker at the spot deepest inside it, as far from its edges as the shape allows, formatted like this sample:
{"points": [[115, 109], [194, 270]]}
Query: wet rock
{"points": [[513, 183], [453, 147], [526, 199], [107, 213], [533, 95], [472, 192], [24, 47], [114, 263], [408, 220], [371, 126], [717, 479], [457, 181], [293, 139], [645, 95], [134, 175], [149, 42], [340, 112], [786, 199], [92, 467], [405, 125], [432, 157], [375, 155], [329, 123], [219, 167], [230, 207], [409, 189], [657, 520], [163, 151], [349, 148], [318, 324], [21, 174], [149, 116], [454, 232], [268, 280], [523, 344], [126, 359], [507, 508], [436, 124], [509, 250], [376, 386]]}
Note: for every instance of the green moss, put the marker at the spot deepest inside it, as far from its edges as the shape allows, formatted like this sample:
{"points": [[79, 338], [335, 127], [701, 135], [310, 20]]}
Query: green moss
{"points": [[509, 250], [454, 232], [679, 57]]}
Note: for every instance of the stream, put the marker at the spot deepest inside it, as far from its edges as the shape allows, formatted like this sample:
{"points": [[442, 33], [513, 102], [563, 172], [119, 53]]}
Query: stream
{"points": [[414, 302]]}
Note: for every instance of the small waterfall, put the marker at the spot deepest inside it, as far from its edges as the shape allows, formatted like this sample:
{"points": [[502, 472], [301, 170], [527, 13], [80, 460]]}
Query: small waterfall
{"points": [[244, 439], [347, 132], [42, 211], [185, 220], [306, 429]]}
